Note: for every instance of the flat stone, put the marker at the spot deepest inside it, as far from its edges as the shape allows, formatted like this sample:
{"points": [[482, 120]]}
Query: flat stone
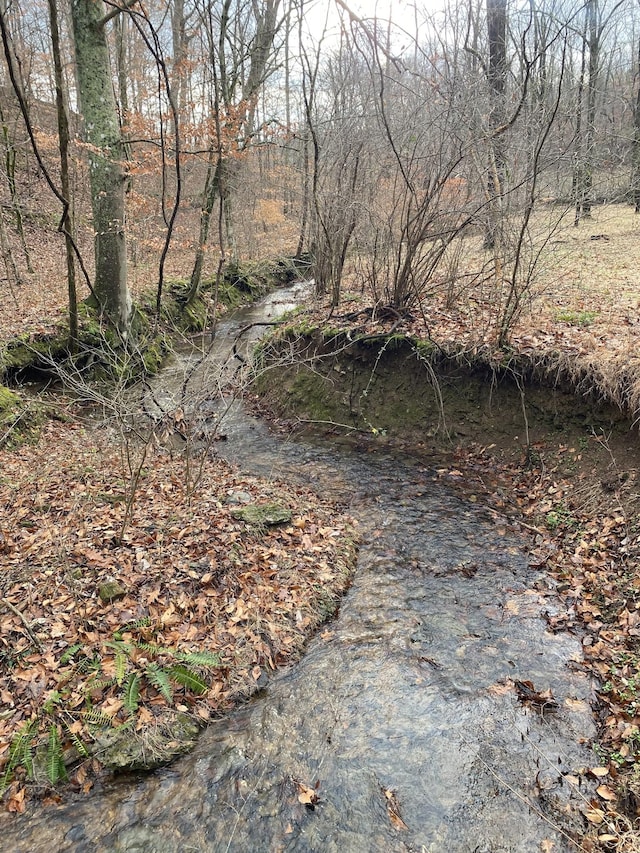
{"points": [[238, 498], [111, 591], [262, 514]]}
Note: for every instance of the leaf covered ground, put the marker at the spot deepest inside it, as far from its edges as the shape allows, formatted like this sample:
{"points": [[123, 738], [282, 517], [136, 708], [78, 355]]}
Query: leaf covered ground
{"points": [[199, 609]]}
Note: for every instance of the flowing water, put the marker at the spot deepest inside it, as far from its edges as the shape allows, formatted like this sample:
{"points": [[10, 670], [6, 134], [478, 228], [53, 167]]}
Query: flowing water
{"points": [[400, 729]]}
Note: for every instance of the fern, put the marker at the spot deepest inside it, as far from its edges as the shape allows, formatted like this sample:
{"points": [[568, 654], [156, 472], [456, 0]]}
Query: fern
{"points": [[120, 645], [52, 700], [100, 684], [95, 717], [132, 693], [55, 763], [77, 742], [88, 664], [121, 666], [70, 652], [26, 758], [155, 650], [200, 658], [188, 678], [160, 680], [20, 752], [143, 622]]}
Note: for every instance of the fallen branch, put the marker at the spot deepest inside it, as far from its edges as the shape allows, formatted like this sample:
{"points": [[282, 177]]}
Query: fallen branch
{"points": [[36, 642]]}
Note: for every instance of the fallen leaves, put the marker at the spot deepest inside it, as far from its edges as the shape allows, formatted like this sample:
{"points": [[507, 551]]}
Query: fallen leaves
{"points": [[193, 579], [393, 810], [543, 700], [307, 795], [606, 793]]}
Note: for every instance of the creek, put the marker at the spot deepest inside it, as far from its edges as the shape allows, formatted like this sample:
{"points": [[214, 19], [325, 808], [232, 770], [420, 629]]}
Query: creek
{"points": [[401, 728]]}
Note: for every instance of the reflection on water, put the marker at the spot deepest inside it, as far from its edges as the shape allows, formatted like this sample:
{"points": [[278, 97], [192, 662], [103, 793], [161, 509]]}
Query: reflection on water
{"points": [[400, 729]]}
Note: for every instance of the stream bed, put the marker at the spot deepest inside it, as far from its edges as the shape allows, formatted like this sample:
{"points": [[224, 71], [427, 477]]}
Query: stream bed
{"points": [[401, 729]]}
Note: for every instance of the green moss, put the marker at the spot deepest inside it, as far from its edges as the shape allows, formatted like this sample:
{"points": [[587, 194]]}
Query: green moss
{"points": [[9, 400], [26, 352], [310, 393], [20, 419], [424, 347], [261, 515]]}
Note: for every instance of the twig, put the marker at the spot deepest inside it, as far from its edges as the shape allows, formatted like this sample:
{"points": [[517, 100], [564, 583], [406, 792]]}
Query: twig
{"points": [[530, 527], [36, 642]]}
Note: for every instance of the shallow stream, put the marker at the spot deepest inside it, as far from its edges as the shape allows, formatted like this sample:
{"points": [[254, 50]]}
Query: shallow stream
{"points": [[401, 727]]}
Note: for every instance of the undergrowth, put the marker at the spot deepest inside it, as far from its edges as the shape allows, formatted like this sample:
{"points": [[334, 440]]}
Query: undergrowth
{"points": [[111, 682]]}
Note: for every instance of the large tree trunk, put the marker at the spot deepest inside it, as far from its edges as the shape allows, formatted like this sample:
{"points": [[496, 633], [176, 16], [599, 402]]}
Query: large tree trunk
{"points": [[107, 176]]}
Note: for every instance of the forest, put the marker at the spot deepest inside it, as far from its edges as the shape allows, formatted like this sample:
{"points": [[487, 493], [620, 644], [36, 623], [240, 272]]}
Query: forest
{"points": [[406, 230]]}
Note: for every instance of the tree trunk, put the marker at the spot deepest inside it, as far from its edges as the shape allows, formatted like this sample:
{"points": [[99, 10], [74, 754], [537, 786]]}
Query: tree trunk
{"points": [[63, 145], [592, 90], [577, 182], [497, 78], [107, 176], [211, 190], [635, 177]]}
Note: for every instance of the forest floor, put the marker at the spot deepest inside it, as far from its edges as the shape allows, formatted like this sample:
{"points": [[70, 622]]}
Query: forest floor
{"points": [[194, 579]]}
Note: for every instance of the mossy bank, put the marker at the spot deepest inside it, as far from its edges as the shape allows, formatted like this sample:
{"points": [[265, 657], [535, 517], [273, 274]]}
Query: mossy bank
{"points": [[398, 388], [102, 354]]}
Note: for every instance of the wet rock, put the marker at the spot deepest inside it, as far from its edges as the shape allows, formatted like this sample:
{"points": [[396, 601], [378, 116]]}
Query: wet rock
{"points": [[125, 749], [262, 514]]}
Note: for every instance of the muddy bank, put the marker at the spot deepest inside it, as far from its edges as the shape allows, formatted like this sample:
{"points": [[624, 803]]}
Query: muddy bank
{"points": [[397, 389]]}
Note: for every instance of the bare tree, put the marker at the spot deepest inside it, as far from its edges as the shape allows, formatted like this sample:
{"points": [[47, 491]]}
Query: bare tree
{"points": [[241, 44]]}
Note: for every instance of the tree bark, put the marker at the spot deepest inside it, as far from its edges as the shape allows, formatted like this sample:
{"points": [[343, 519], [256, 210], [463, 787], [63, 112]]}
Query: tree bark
{"points": [[635, 177], [63, 145], [592, 90], [107, 176], [497, 79]]}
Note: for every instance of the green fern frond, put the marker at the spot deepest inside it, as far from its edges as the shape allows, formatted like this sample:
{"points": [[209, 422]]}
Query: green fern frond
{"points": [[160, 679], [26, 759], [79, 744], [53, 699], [89, 663], [200, 658], [70, 652], [154, 649], [55, 763], [188, 678], [120, 646], [20, 752], [131, 696], [121, 666], [143, 622], [100, 684], [95, 717]]}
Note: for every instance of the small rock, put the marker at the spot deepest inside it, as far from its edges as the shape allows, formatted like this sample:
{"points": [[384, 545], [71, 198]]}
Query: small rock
{"points": [[111, 591], [238, 498]]}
